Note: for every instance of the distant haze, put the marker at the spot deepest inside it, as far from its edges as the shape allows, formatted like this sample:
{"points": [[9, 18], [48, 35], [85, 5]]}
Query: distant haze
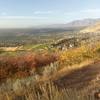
{"points": [[30, 13]]}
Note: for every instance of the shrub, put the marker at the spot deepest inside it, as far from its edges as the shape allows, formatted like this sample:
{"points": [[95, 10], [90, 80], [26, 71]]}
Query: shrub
{"points": [[21, 66]]}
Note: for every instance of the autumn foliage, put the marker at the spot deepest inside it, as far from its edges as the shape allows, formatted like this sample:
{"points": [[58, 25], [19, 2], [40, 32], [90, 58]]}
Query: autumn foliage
{"points": [[21, 66]]}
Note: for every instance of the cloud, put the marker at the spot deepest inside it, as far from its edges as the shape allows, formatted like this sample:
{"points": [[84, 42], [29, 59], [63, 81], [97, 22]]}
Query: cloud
{"points": [[21, 17], [84, 12], [70, 13], [43, 12], [91, 11]]}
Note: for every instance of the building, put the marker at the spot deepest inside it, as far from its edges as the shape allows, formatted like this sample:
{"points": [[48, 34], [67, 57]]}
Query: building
{"points": [[68, 43]]}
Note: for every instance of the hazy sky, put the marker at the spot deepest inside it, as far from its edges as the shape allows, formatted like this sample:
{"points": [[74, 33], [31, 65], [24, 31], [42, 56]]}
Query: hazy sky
{"points": [[27, 13]]}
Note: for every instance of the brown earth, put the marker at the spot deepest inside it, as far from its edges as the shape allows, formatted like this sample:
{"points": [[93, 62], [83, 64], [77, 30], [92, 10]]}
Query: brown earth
{"points": [[81, 78]]}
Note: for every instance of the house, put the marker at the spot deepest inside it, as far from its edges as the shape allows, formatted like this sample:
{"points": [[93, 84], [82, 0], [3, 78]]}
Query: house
{"points": [[68, 43]]}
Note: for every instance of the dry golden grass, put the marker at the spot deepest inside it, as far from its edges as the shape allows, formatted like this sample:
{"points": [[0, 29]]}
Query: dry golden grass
{"points": [[67, 61], [49, 91], [92, 29]]}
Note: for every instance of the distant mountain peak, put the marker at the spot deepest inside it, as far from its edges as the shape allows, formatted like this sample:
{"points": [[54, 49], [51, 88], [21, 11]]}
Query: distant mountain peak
{"points": [[75, 23], [83, 22]]}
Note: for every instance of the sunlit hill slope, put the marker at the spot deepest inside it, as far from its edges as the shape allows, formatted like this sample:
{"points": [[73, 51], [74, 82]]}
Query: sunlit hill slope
{"points": [[92, 29]]}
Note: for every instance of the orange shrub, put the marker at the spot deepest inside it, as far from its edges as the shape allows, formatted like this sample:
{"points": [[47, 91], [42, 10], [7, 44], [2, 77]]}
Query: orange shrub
{"points": [[22, 65]]}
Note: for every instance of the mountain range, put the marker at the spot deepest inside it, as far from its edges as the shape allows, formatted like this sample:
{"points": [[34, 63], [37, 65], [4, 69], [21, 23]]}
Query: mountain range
{"points": [[76, 25]]}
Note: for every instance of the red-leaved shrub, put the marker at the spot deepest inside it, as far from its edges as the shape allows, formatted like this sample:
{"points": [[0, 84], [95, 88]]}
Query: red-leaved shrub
{"points": [[22, 65]]}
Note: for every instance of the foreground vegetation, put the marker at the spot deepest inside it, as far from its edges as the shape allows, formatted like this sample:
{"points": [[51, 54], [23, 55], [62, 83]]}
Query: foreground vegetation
{"points": [[50, 92], [31, 76]]}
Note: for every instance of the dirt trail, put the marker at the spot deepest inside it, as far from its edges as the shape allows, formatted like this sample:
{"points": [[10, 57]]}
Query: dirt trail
{"points": [[80, 78]]}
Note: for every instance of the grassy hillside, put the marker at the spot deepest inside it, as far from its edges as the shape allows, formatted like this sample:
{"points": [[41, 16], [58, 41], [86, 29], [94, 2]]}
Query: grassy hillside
{"points": [[92, 29], [39, 75], [33, 70]]}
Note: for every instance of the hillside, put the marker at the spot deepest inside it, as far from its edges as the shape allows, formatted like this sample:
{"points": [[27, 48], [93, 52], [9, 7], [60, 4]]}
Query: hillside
{"points": [[82, 23], [74, 24], [92, 29]]}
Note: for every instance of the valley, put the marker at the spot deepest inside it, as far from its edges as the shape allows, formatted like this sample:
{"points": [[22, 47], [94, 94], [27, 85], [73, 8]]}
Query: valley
{"points": [[46, 62]]}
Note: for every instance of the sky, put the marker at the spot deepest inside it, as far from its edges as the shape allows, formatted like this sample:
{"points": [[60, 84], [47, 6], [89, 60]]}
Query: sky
{"points": [[29, 13]]}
